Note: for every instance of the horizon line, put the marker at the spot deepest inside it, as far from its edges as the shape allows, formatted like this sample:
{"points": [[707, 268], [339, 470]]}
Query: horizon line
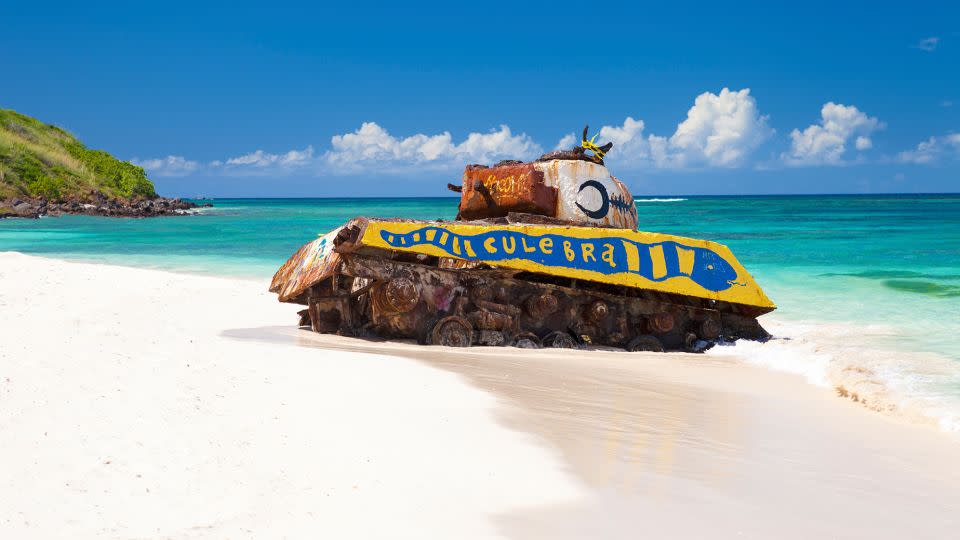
{"points": [[635, 196]]}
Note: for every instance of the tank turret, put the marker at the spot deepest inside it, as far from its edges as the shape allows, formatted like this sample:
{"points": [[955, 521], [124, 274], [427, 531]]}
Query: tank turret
{"points": [[572, 186]]}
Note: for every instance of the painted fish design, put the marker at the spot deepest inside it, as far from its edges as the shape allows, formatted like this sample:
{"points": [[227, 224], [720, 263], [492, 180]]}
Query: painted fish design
{"points": [[658, 261]]}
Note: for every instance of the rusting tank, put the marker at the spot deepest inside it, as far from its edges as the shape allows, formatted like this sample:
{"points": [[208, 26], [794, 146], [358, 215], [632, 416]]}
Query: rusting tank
{"points": [[541, 254]]}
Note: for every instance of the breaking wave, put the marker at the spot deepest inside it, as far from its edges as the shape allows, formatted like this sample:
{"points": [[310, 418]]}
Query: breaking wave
{"points": [[917, 386]]}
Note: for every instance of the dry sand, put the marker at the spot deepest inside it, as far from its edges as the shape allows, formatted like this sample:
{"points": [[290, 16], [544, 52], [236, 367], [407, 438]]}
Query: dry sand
{"points": [[139, 403]]}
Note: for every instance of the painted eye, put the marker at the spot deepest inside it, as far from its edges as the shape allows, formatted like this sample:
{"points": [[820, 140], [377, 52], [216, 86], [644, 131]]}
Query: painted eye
{"points": [[604, 199], [709, 267]]}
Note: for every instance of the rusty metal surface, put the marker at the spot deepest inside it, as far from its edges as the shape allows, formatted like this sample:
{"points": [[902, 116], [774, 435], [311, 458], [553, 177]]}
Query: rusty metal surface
{"points": [[283, 273], [576, 191], [382, 291], [417, 301], [497, 191], [311, 264]]}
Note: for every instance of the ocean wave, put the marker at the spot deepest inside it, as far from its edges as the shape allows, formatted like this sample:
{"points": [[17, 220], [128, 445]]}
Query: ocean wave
{"points": [[917, 386], [657, 200]]}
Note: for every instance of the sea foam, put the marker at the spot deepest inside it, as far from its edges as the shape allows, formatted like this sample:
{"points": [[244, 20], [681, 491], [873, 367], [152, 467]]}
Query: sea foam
{"points": [[918, 386]]}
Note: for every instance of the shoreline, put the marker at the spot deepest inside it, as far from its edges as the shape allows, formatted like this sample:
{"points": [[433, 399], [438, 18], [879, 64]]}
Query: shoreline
{"points": [[200, 390], [819, 352], [99, 261]]}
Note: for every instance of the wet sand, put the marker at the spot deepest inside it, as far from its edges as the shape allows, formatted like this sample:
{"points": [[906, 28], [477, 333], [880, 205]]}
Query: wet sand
{"points": [[686, 445], [143, 403]]}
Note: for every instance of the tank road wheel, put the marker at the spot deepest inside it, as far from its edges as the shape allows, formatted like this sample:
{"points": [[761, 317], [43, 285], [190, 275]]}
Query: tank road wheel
{"points": [[452, 331], [539, 306], [710, 329], [400, 294], [527, 340], [645, 343], [559, 340], [597, 311], [661, 323]]}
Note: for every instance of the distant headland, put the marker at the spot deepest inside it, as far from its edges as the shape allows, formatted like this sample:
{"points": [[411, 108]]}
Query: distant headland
{"points": [[45, 170]]}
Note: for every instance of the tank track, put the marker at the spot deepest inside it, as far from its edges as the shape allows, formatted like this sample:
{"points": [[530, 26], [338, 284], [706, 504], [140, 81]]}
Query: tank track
{"points": [[446, 302]]}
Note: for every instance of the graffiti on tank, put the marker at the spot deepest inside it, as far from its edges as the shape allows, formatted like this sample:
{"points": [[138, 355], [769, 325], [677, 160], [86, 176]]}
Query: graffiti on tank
{"points": [[311, 262], [508, 185], [596, 213], [657, 261], [617, 202]]}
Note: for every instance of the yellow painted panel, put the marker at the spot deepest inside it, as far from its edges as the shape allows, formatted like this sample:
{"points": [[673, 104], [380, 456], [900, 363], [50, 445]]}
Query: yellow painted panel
{"points": [[686, 258], [659, 263], [654, 261], [633, 256]]}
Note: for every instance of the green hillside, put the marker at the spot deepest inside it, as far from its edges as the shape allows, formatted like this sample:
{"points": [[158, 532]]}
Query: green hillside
{"points": [[41, 160]]}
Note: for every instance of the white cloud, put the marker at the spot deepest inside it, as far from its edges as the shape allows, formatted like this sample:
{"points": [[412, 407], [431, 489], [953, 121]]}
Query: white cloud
{"points": [[720, 130], [826, 142], [632, 148], [627, 139], [567, 142], [261, 159], [928, 44], [497, 145], [258, 162], [946, 103], [932, 150], [167, 166], [373, 148], [370, 148]]}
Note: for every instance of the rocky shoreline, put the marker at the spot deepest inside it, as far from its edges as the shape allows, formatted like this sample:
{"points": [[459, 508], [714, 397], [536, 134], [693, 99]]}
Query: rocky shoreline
{"points": [[96, 205]]}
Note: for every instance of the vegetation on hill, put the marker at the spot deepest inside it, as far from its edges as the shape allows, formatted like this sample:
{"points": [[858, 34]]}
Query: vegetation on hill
{"points": [[41, 160]]}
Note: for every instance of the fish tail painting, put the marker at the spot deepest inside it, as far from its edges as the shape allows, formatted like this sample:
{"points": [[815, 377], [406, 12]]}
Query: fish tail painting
{"points": [[657, 261]]}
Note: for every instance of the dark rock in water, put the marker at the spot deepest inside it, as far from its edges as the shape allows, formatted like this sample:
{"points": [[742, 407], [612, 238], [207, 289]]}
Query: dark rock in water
{"points": [[18, 208], [97, 204]]}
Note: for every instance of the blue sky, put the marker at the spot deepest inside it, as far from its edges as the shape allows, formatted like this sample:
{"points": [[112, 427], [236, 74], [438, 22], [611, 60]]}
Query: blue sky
{"points": [[234, 99]]}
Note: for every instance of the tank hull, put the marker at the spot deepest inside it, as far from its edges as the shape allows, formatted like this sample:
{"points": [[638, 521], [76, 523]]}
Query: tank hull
{"points": [[525, 284]]}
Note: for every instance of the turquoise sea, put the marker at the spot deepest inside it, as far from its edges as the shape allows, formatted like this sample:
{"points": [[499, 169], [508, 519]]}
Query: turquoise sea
{"points": [[878, 273]]}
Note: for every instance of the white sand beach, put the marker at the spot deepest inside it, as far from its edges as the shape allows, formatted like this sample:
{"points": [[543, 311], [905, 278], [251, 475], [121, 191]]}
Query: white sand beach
{"points": [[146, 404]]}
